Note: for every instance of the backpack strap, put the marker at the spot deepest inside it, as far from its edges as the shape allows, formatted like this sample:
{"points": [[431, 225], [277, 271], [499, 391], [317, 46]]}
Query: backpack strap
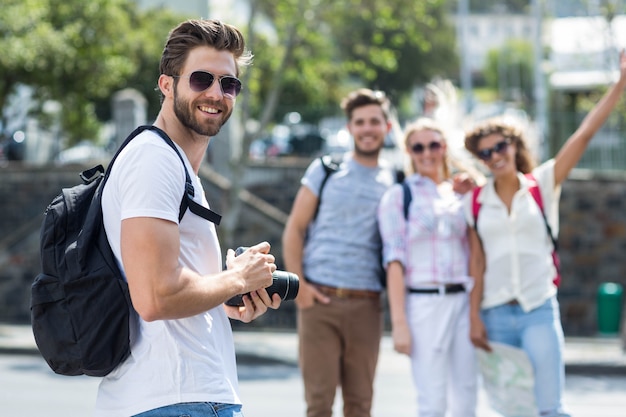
{"points": [[533, 188], [406, 198], [187, 201], [330, 165], [475, 206]]}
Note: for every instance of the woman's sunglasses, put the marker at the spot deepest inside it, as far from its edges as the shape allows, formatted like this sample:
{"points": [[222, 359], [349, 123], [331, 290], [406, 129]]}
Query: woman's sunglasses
{"points": [[201, 80], [500, 147], [432, 146]]}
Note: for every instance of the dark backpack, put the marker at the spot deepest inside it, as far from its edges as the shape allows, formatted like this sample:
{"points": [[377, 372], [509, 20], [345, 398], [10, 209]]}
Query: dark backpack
{"points": [[80, 303], [536, 194]]}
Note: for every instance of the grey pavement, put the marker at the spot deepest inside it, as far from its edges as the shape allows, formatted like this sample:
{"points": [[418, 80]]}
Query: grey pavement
{"points": [[269, 378]]}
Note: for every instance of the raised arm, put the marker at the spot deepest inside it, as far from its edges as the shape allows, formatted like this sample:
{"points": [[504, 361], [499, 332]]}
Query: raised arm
{"points": [[573, 149]]}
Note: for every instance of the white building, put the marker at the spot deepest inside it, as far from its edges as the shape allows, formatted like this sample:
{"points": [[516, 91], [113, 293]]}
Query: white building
{"points": [[584, 52], [490, 31]]}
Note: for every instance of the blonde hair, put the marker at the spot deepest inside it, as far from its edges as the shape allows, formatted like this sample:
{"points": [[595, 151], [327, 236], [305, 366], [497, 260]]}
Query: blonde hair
{"points": [[426, 124]]}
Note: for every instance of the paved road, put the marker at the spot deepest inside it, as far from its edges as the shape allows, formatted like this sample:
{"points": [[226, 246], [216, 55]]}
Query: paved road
{"points": [[28, 388]]}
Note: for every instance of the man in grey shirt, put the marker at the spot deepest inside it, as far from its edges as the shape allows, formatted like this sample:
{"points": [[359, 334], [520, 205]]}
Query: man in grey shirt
{"points": [[335, 249]]}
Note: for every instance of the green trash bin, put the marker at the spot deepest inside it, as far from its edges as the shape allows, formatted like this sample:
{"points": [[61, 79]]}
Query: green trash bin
{"points": [[610, 299]]}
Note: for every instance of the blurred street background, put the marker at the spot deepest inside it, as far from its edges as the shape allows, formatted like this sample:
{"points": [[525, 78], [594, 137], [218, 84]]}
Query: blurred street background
{"points": [[72, 88]]}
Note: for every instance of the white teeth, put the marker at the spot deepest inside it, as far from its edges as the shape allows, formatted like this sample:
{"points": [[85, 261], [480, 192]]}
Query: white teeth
{"points": [[209, 110]]}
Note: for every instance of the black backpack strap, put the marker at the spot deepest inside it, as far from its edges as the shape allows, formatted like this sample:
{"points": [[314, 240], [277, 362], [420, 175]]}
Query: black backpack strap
{"points": [[407, 197], [197, 209], [187, 201], [330, 165]]}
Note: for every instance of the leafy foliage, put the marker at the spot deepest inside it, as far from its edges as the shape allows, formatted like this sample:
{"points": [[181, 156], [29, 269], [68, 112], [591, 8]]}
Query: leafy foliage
{"points": [[392, 45], [77, 53], [309, 53]]}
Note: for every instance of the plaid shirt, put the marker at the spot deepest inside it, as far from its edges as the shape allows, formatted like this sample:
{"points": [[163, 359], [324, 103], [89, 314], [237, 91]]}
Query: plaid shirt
{"points": [[432, 244]]}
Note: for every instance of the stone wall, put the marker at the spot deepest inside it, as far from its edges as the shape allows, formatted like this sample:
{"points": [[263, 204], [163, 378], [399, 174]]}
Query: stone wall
{"points": [[592, 237]]}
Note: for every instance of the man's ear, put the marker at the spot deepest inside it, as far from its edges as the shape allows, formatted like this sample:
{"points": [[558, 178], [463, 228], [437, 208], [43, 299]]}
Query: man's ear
{"points": [[166, 85]]}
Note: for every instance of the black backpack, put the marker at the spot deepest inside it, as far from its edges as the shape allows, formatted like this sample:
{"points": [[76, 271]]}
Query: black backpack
{"points": [[80, 303]]}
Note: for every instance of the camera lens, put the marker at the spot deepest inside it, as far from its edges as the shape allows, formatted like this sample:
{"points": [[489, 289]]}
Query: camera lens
{"points": [[286, 284]]}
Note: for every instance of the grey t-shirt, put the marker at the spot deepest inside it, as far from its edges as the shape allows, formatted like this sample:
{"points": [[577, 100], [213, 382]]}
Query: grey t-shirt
{"points": [[343, 244]]}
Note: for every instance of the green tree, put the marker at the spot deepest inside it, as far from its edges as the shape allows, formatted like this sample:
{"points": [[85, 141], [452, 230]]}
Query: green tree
{"points": [[66, 50], [394, 45], [145, 41], [78, 53]]}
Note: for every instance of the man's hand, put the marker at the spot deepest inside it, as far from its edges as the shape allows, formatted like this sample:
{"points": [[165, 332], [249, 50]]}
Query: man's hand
{"points": [[254, 305], [255, 266], [308, 295]]}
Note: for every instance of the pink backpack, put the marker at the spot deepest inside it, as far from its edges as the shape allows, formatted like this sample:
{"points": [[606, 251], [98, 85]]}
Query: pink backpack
{"points": [[534, 191]]}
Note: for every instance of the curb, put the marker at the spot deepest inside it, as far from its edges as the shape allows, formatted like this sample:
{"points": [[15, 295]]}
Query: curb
{"points": [[595, 369], [582, 356]]}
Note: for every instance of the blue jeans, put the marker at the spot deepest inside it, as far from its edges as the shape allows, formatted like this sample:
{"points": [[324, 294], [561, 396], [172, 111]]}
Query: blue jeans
{"points": [[540, 335], [195, 410]]}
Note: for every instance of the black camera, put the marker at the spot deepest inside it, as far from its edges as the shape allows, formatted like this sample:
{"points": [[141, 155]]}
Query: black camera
{"points": [[285, 284]]}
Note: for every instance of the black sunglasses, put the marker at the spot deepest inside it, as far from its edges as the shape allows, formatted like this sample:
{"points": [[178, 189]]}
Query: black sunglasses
{"points": [[201, 80], [432, 146], [500, 147]]}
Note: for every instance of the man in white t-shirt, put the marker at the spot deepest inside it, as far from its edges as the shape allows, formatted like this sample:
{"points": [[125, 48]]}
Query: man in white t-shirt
{"points": [[182, 359]]}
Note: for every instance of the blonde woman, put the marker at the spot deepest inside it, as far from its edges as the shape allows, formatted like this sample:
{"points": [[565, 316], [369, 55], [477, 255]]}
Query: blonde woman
{"points": [[426, 257]]}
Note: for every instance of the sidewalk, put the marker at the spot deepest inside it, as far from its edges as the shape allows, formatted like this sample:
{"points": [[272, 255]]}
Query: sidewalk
{"points": [[583, 355]]}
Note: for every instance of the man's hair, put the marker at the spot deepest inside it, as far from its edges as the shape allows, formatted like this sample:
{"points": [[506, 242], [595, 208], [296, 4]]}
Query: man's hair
{"points": [[524, 161], [193, 33], [365, 97]]}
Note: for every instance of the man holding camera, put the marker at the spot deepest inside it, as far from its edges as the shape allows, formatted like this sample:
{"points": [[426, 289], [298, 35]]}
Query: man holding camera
{"points": [[182, 359], [331, 241]]}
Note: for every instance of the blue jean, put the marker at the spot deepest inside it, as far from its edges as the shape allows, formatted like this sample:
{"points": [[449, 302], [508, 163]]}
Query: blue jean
{"points": [[195, 410], [540, 335]]}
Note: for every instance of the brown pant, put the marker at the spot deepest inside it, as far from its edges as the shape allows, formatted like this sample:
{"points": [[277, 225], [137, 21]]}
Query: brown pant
{"points": [[339, 344]]}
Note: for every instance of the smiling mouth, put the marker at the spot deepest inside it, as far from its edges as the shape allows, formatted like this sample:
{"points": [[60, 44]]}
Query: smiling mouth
{"points": [[498, 164], [210, 110]]}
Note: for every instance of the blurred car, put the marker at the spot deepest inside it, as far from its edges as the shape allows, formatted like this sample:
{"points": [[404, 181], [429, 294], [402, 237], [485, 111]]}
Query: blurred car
{"points": [[12, 147], [300, 139]]}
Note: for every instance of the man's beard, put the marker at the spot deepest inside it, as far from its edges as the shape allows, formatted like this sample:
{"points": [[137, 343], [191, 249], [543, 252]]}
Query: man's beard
{"points": [[183, 111], [370, 153]]}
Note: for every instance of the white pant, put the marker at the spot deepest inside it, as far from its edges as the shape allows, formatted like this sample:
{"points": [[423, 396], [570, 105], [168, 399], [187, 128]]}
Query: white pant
{"points": [[443, 359]]}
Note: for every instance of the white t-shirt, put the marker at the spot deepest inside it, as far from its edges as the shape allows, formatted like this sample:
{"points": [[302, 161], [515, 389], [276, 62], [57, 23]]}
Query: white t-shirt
{"points": [[171, 361], [517, 247]]}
